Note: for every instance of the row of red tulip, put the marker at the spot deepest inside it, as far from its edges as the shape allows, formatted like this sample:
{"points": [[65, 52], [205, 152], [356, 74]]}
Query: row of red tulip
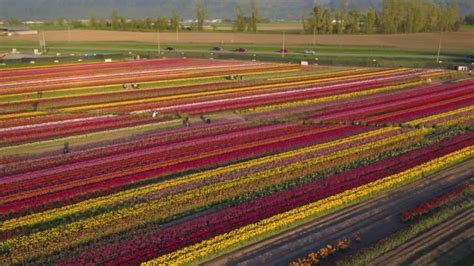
{"points": [[433, 203], [64, 187], [278, 97], [363, 109], [278, 93], [131, 144], [25, 135]]}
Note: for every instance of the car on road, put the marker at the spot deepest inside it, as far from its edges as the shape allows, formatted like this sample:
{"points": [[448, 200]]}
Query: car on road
{"points": [[309, 52], [240, 50]]}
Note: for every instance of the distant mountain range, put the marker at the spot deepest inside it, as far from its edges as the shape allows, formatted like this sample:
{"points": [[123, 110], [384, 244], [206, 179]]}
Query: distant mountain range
{"points": [[224, 9]]}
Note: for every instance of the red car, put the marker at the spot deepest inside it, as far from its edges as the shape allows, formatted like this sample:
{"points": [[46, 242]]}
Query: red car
{"points": [[283, 51], [240, 50]]}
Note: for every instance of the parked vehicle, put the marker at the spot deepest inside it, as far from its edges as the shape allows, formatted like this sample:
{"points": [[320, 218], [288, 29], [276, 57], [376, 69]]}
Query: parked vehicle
{"points": [[240, 50], [283, 51], [169, 48], [309, 52], [217, 49]]}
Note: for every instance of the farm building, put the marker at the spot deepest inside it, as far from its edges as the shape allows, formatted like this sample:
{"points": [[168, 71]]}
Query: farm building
{"points": [[16, 30]]}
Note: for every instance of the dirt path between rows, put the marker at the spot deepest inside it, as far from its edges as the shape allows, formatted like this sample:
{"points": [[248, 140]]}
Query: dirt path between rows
{"points": [[374, 219]]}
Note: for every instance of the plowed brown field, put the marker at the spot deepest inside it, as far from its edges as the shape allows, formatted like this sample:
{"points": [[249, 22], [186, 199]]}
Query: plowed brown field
{"points": [[453, 40]]}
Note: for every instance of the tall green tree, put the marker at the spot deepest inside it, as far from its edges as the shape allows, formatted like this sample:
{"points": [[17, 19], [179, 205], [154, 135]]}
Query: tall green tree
{"points": [[344, 6], [393, 16], [415, 16], [148, 23], [76, 24], [388, 17], [370, 21], [201, 15], [396, 16], [115, 21], [161, 23], [174, 20], [305, 26], [340, 23], [317, 18], [60, 21], [14, 21], [433, 21], [253, 16], [327, 21], [353, 25], [469, 19], [240, 21], [451, 17], [93, 19]]}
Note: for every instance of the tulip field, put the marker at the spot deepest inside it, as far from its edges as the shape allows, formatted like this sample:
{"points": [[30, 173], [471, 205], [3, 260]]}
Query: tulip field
{"points": [[213, 162]]}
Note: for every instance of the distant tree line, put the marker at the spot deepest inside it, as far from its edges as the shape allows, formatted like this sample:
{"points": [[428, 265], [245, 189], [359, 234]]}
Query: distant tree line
{"points": [[469, 19], [118, 22], [396, 16], [162, 23]]}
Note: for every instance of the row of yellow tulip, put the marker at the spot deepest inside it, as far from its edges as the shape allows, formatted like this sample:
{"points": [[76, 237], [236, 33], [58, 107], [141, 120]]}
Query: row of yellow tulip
{"points": [[294, 217], [350, 71], [21, 115], [289, 70], [436, 74], [441, 115], [185, 159], [179, 76], [354, 75], [141, 191], [335, 97], [468, 119], [119, 131], [60, 237], [226, 91]]}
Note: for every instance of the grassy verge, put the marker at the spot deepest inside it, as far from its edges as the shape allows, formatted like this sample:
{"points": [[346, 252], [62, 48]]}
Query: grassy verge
{"points": [[326, 54]]}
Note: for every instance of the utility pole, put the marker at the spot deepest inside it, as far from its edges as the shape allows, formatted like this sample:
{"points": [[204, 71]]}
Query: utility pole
{"points": [[283, 46], [439, 46], [314, 35], [68, 33], [159, 42], [177, 33], [43, 46]]}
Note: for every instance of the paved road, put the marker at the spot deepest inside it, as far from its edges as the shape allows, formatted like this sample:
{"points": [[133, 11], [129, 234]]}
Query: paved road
{"points": [[374, 219], [343, 54]]}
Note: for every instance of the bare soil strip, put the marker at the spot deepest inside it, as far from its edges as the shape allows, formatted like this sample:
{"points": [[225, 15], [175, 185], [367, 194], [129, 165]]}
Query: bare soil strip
{"points": [[434, 235], [373, 219], [451, 40], [448, 254]]}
